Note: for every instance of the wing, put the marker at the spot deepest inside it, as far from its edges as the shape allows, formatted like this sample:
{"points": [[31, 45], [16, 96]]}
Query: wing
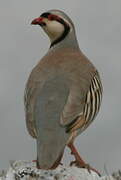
{"points": [[81, 108], [93, 99], [29, 105]]}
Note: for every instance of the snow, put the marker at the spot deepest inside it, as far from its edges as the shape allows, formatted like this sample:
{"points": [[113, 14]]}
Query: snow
{"points": [[23, 170]]}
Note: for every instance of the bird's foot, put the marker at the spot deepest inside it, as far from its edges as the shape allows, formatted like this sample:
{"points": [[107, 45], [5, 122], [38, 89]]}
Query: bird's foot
{"points": [[84, 165], [78, 164], [61, 163]]}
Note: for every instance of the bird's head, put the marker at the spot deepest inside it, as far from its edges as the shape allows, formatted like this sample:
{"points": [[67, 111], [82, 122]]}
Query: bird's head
{"points": [[56, 25]]}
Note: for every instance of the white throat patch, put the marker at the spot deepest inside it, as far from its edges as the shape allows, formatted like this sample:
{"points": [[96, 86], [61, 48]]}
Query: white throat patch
{"points": [[53, 29]]}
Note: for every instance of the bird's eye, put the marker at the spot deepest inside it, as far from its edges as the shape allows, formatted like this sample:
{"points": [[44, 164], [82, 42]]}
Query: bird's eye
{"points": [[52, 17]]}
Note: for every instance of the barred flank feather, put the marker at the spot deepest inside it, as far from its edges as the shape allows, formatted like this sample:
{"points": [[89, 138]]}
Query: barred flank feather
{"points": [[93, 99]]}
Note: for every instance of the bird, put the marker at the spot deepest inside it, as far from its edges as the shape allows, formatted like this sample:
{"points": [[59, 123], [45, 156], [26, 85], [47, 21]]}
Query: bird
{"points": [[63, 93]]}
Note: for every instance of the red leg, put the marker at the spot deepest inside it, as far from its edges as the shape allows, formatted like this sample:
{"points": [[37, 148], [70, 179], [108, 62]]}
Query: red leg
{"points": [[79, 161], [76, 154]]}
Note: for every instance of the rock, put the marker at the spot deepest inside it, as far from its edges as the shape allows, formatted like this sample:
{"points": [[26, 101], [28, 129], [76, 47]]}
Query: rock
{"points": [[23, 170]]}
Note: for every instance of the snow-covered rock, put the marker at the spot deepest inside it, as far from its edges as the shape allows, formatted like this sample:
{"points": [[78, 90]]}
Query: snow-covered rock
{"points": [[22, 170]]}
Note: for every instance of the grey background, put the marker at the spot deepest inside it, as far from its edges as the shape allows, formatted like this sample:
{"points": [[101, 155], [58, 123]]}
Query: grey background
{"points": [[98, 27]]}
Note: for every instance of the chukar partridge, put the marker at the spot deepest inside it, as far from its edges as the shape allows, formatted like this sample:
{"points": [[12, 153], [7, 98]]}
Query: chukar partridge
{"points": [[63, 93]]}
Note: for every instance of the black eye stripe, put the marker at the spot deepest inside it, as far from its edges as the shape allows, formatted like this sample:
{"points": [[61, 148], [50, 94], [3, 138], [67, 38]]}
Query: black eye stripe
{"points": [[45, 15]]}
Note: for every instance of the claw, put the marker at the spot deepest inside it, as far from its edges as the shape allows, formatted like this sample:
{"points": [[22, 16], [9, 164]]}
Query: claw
{"points": [[61, 163], [79, 162], [86, 166]]}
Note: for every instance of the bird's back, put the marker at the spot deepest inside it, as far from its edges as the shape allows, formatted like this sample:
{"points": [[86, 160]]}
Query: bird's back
{"points": [[60, 83], [49, 105]]}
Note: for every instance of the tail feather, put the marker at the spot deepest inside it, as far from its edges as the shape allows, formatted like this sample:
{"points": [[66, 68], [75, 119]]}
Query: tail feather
{"points": [[51, 136]]}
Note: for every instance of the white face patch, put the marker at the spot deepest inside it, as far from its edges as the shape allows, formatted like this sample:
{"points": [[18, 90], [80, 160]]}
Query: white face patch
{"points": [[53, 29]]}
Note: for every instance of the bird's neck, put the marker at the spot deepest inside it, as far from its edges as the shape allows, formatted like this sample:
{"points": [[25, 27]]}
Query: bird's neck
{"points": [[69, 41]]}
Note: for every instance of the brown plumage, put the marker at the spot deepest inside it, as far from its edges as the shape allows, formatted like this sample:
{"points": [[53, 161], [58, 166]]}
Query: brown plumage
{"points": [[63, 93]]}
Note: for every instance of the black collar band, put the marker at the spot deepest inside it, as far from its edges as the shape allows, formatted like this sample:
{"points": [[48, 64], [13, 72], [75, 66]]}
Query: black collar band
{"points": [[65, 33]]}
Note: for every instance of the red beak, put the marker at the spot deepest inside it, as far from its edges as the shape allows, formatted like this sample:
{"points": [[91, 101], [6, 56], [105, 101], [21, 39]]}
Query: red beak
{"points": [[38, 21]]}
